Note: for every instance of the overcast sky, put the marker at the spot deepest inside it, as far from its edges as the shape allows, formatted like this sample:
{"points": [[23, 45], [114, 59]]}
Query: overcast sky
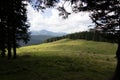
{"points": [[50, 20]]}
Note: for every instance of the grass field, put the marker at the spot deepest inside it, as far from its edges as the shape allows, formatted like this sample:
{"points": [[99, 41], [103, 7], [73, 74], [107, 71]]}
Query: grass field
{"points": [[61, 60]]}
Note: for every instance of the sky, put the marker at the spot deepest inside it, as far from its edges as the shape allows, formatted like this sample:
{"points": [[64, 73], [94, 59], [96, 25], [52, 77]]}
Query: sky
{"points": [[51, 21]]}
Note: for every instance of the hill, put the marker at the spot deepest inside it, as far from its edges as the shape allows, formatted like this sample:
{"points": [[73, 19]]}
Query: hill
{"points": [[62, 60]]}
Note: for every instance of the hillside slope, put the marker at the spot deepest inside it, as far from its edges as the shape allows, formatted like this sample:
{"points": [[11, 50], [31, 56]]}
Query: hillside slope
{"points": [[62, 60], [82, 46]]}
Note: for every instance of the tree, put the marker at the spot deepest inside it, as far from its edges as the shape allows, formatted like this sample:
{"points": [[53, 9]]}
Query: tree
{"points": [[106, 16], [15, 28], [20, 27], [2, 40], [3, 26], [104, 13]]}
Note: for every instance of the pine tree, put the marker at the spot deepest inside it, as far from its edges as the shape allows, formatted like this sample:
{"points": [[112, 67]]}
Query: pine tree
{"points": [[15, 24]]}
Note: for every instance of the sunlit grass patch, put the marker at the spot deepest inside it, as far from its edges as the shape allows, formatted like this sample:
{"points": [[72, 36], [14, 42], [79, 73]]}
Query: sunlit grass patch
{"points": [[61, 60]]}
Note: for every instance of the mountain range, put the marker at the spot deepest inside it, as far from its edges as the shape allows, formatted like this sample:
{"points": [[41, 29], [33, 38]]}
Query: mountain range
{"points": [[38, 37], [46, 32]]}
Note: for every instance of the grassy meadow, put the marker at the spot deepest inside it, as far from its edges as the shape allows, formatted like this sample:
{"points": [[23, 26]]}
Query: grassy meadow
{"points": [[61, 60]]}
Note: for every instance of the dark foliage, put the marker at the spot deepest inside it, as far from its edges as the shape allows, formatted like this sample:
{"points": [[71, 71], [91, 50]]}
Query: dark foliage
{"points": [[87, 35], [14, 26]]}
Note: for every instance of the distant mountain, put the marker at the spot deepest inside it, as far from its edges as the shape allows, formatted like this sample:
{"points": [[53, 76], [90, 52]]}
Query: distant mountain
{"points": [[46, 32], [38, 37], [35, 39]]}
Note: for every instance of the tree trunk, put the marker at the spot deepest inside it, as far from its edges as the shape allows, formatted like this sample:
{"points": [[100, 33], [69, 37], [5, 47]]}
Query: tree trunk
{"points": [[3, 52], [9, 44], [117, 71], [14, 47], [2, 41], [3, 47], [9, 50], [14, 51]]}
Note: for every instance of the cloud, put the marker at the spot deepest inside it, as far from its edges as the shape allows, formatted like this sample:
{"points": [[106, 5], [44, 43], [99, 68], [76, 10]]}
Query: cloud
{"points": [[50, 20]]}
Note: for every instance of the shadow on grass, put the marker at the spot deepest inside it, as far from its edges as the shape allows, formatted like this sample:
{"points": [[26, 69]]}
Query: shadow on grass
{"points": [[27, 67]]}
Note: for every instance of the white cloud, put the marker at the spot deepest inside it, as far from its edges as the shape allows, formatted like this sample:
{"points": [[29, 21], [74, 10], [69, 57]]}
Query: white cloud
{"points": [[51, 21]]}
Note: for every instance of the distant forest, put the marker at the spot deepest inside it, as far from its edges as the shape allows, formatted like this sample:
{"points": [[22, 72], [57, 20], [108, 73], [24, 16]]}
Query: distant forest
{"points": [[87, 35]]}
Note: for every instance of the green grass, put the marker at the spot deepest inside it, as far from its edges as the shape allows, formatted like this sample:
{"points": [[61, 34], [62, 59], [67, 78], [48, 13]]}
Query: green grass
{"points": [[61, 60]]}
